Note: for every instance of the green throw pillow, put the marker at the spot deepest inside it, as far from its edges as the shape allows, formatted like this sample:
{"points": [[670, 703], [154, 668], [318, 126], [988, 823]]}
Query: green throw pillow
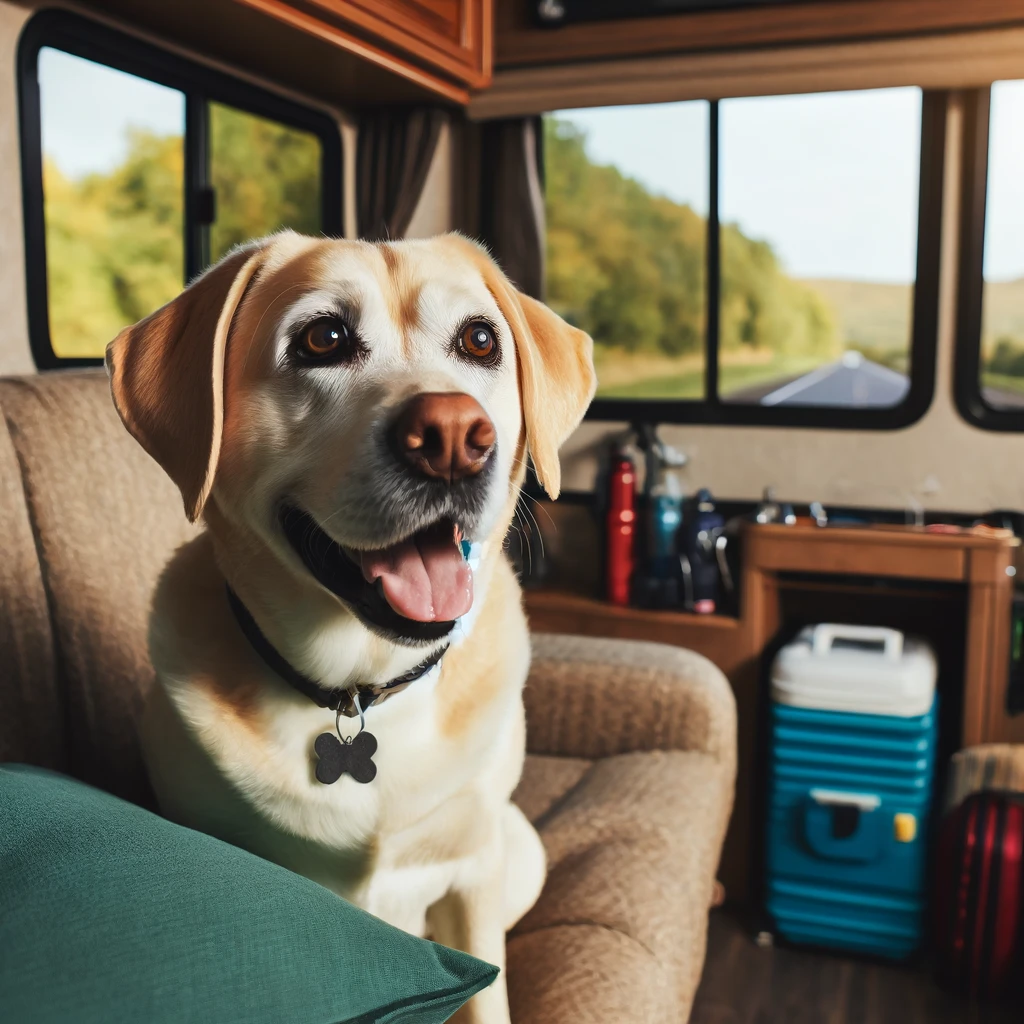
{"points": [[110, 913]]}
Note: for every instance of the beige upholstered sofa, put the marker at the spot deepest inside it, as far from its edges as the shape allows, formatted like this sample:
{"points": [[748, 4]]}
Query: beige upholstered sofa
{"points": [[632, 746]]}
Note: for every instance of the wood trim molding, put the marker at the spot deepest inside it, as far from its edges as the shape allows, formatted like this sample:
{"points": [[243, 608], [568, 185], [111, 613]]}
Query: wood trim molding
{"points": [[520, 42], [314, 26], [959, 60]]}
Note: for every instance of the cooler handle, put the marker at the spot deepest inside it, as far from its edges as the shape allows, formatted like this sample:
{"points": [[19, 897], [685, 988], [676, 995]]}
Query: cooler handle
{"points": [[860, 841], [840, 798], [827, 633]]}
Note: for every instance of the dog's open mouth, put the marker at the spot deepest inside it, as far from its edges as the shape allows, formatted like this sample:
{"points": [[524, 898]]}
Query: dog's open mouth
{"points": [[414, 589], [424, 577]]}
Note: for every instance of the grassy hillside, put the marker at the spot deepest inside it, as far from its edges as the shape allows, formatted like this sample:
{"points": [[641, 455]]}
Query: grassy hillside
{"points": [[1004, 311], [1002, 341], [869, 314], [880, 314], [876, 319]]}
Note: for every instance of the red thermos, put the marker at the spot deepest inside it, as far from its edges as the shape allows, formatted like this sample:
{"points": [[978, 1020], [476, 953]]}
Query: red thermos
{"points": [[620, 528]]}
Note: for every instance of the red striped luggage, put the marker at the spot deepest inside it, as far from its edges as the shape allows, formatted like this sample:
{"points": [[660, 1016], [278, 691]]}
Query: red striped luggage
{"points": [[979, 892]]}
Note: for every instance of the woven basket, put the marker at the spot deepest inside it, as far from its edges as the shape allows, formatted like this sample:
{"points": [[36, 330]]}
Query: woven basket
{"points": [[991, 766]]}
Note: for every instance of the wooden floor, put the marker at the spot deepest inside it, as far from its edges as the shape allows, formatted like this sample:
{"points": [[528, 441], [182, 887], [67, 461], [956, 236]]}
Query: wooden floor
{"points": [[746, 984]]}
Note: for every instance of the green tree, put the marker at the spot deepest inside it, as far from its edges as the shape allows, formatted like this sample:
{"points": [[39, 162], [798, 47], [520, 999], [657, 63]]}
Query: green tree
{"points": [[623, 265], [763, 308], [628, 267], [115, 241], [266, 176], [1007, 358]]}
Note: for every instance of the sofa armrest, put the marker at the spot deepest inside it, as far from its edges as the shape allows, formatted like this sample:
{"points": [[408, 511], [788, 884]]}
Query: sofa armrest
{"points": [[592, 698]]}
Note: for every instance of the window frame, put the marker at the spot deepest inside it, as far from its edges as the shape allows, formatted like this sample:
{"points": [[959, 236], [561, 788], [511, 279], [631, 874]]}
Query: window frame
{"points": [[967, 392], [200, 85], [924, 319]]}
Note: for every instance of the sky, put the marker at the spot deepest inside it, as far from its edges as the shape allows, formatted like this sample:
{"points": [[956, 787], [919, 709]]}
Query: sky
{"points": [[831, 180], [663, 145], [1004, 218], [87, 109]]}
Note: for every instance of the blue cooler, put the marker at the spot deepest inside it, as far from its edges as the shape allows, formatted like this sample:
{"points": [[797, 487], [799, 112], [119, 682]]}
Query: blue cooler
{"points": [[853, 735]]}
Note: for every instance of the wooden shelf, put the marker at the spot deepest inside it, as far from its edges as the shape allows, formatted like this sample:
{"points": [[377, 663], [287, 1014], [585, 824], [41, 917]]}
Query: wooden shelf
{"points": [[540, 602], [897, 552], [717, 637]]}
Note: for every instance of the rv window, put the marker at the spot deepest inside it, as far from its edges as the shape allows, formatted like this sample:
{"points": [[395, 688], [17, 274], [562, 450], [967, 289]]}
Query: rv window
{"points": [[141, 169], [752, 260], [113, 199], [991, 357]]}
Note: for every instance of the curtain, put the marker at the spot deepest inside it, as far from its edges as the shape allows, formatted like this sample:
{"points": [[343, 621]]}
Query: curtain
{"points": [[512, 199], [394, 149]]}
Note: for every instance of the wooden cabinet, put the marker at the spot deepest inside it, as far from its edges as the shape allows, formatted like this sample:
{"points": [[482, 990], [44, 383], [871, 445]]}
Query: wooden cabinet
{"points": [[444, 45]]}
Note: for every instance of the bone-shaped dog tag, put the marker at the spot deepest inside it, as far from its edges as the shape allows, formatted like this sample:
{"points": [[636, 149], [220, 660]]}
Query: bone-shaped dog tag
{"points": [[354, 757]]}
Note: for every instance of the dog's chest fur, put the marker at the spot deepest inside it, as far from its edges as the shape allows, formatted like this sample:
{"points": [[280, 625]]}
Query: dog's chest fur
{"points": [[229, 748]]}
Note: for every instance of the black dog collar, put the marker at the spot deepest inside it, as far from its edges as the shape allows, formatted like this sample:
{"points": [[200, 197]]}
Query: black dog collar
{"points": [[337, 700], [337, 755]]}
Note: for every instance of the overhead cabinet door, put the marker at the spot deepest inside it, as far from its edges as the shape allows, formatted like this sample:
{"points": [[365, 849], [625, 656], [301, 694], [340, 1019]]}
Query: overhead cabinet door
{"points": [[443, 44]]}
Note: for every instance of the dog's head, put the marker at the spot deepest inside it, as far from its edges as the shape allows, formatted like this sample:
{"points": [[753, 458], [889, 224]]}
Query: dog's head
{"points": [[360, 407]]}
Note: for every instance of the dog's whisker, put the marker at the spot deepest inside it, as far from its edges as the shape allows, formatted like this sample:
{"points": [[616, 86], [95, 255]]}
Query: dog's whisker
{"points": [[525, 537], [537, 529], [540, 506], [523, 542]]}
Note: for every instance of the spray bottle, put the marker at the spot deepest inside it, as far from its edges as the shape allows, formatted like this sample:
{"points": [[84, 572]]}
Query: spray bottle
{"points": [[658, 584]]}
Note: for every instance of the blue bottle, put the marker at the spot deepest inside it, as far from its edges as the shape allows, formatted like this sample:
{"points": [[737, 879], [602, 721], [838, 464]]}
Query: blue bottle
{"points": [[657, 582], [664, 517]]}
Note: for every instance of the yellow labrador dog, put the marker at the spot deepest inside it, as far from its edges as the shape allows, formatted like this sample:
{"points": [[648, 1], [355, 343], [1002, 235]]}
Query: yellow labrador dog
{"points": [[341, 653]]}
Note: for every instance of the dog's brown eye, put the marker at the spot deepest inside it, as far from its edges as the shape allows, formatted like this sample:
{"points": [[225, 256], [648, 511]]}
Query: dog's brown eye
{"points": [[478, 342], [325, 338]]}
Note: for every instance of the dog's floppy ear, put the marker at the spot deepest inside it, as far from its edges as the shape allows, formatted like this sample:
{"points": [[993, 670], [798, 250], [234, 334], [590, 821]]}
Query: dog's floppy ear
{"points": [[167, 376], [556, 370], [557, 381]]}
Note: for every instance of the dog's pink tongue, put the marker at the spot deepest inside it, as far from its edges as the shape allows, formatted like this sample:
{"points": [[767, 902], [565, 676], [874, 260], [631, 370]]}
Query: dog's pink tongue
{"points": [[426, 580]]}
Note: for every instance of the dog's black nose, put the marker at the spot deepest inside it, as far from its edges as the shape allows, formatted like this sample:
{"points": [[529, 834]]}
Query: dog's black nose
{"points": [[445, 436]]}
